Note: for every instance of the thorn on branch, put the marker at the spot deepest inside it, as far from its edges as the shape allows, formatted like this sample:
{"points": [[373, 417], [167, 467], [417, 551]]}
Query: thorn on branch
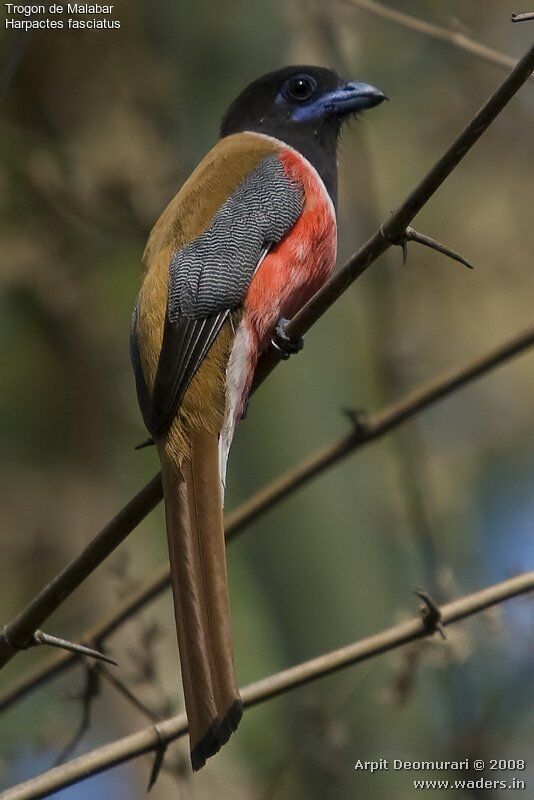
{"points": [[431, 613], [42, 638], [159, 758], [359, 419], [526, 17], [414, 236], [411, 235]]}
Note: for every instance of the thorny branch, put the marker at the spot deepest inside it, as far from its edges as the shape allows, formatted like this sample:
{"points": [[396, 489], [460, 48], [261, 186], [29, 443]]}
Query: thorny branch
{"points": [[366, 428], [152, 739]]}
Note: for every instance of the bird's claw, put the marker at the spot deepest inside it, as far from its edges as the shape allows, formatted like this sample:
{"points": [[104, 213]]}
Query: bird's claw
{"points": [[285, 346]]}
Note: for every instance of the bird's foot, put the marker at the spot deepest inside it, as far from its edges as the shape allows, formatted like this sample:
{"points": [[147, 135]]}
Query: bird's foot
{"points": [[285, 346]]}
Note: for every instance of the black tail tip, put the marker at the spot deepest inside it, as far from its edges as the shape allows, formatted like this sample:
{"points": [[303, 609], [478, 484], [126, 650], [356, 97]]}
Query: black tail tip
{"points": [[217, 735]]}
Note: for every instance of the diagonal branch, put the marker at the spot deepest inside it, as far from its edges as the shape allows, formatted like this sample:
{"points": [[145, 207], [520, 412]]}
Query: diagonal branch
{"points": [[20, 630], [366, 428], [151, 739], [455, 38]]}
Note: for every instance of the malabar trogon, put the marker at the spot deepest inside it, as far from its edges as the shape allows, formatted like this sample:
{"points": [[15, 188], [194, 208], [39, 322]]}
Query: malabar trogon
{"points": [[248, 239]]}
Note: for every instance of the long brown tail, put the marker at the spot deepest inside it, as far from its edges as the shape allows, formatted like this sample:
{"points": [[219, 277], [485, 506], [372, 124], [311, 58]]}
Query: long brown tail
{"points": [[193, 508]]}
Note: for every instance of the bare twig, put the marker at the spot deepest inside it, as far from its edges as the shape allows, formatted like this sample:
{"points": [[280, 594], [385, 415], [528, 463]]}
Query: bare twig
{"points": [[526, 17], [149, 673], [87, 695], [150, 739], [454, 38], [366, 428], [126, 692], [20, 630]]}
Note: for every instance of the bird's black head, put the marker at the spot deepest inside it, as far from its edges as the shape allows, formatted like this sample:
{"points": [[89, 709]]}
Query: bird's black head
{"points": [[305, 107]]}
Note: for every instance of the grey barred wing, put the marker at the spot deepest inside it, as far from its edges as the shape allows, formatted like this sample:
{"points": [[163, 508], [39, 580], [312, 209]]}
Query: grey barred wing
{"points": [[209, 277]]}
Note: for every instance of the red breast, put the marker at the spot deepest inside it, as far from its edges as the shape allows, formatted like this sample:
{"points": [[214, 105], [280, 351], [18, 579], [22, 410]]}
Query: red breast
{"points": [[302, 261]]}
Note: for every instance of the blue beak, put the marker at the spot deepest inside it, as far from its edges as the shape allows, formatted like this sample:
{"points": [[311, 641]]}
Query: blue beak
{"points": [[353, 96], [346, 99]]}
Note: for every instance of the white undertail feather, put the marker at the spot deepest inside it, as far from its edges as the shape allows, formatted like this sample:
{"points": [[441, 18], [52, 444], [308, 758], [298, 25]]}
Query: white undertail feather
{"points": [[236, 379]]}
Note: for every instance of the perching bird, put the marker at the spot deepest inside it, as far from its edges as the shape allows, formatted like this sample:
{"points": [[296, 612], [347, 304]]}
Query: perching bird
{"points": [[248, 239]]}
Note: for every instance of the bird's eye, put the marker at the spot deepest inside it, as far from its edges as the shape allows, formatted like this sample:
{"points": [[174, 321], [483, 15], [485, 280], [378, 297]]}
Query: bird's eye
{"points": [[300, 88]]}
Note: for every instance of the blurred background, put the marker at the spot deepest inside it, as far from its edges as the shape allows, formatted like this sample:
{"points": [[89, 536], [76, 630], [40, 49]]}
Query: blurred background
{"points": [[98, 132]]}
